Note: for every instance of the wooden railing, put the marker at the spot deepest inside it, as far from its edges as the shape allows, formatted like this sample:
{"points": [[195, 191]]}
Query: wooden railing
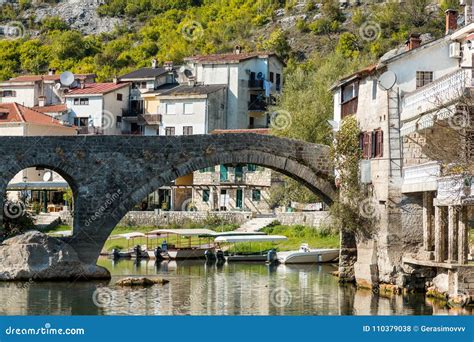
{"points": [[349, 107]]}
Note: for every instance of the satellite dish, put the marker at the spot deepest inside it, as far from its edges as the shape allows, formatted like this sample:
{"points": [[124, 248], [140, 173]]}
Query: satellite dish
{"points": [[67, 78], [387, 80], [260, 76], [48, 176], [182, 69]]}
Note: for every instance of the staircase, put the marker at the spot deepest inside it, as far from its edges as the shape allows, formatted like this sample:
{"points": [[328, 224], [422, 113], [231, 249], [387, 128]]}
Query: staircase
{"points": [[256, 224], [47, 220]]}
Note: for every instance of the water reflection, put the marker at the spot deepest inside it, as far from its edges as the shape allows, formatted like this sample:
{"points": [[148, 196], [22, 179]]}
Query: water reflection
{"points": [[197, 288]]}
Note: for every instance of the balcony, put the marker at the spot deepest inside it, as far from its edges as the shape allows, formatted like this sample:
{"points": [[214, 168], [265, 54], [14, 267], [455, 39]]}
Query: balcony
{"points": [[259, 106], [437, 94], [455, 190], [255, 84], [90, 130], [423, 177], [349, 107], [150, 119]]}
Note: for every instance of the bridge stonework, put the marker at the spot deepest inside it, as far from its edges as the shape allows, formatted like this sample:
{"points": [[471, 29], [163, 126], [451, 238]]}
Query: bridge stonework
{"points": [[109, 175]]}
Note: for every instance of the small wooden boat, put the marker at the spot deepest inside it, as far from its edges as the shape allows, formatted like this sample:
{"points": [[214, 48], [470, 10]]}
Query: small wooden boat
{"points": [[305, 255], [183, 249], [260, 256]]}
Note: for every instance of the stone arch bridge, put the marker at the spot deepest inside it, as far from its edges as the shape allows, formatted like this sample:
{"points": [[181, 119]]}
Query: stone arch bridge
{"points": [[109, 175]]}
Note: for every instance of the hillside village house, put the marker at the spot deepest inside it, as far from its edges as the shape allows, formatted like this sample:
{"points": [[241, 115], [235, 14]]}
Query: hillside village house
{"points": [[252, 80], [98, 108], [41, 186], [144, 82], [37, 90], [410, 107]]}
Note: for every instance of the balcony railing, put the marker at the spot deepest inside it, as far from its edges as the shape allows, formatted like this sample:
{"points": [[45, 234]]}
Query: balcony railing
{"points": [[90, 130], [455, 190], [423, 177], [258, 106], [436, 94], [150, 119], [255, 84]]}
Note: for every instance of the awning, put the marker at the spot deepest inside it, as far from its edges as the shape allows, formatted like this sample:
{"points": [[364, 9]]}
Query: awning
{"points": [[250, 238], [37, 186]]}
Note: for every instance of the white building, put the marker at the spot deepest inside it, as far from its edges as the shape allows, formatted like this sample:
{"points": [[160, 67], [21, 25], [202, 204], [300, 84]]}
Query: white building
{"points": [[251, 78], [36, 90], [41, 185], [98, 108], [405, 105]]}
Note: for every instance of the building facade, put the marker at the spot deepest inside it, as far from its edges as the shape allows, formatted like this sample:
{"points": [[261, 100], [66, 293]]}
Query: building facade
{"points": [[414, 114]]}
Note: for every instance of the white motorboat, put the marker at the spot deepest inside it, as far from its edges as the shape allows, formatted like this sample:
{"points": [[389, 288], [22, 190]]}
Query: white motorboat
{"points": [[305, 255]]}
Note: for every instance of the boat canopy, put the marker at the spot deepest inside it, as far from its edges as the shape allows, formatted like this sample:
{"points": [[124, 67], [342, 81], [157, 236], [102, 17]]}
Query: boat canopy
{"points": [[250, 238], [238, 233], [182, 232]]}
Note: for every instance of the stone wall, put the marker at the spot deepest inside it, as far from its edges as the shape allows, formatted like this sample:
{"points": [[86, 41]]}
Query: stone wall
{"points": [[310, 219], [161, 218]]}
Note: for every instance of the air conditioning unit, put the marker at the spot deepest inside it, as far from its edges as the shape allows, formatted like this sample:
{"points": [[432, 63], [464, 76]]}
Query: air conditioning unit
{"points": [[365, 171], [455, 50]]}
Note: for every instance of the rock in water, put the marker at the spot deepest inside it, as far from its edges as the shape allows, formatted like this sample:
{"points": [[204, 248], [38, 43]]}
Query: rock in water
{"points": [[141, 281], [37, 256]]}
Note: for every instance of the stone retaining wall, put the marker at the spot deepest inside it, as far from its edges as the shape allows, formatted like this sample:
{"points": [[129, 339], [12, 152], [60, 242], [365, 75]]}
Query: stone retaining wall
{"points": [[310, 219]]}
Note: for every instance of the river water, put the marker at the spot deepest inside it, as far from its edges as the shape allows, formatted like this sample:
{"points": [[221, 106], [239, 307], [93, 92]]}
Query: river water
{"points": [[196, 288]]}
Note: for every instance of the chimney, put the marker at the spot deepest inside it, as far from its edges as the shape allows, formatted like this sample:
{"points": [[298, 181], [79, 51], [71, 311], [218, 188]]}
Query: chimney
{"points": [[168, 66], [451, 21], [51, 71], [191, 81], [238, 50], [413, 41], [41, 101], [154, 63], [82, 84], [115, 80]]}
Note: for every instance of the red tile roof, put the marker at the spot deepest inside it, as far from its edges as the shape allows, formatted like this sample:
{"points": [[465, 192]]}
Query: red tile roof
{"points": [[51, 108], [250, 130], [228, 57], [96, 88], [14, 112]]}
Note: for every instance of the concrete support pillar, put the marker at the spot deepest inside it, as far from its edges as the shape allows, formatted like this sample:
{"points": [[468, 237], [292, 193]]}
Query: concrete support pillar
{"points": [[440, 233], [463, 236], [428, 234], [452, 233]]}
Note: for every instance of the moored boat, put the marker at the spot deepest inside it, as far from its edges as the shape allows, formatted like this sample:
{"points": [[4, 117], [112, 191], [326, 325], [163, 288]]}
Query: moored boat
{"points": [[305, 255], [260, 256]]}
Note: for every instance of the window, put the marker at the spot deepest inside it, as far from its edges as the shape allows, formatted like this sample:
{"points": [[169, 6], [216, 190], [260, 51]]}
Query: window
{"points": [[143, 85], [119, 97], [256, 195], [378, 143], [207, 169], [81, 122], [187, 130], [366, 144], [349, 91], [251, 167], [374, 89], [81, 101], [205, 195], [271, 77], [119, 122], [423, 78], [170, 108], [169, 131], [9, 93], [188, 108], [158, 131], [278, 82]]}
